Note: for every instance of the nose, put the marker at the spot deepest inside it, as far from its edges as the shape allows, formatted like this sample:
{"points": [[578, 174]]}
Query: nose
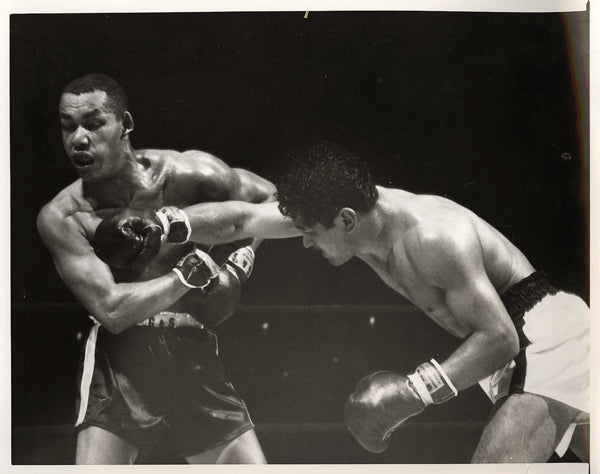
{"points": [[306, 242], [80, 139]]}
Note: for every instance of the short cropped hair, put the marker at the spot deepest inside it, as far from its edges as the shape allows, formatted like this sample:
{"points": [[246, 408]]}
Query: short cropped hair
{"points": [[116, 98], [323, 180]]}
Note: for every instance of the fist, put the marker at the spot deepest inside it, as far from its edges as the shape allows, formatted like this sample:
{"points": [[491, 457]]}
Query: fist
{"points": [[197, 269], [128, 238], [381, 402]]}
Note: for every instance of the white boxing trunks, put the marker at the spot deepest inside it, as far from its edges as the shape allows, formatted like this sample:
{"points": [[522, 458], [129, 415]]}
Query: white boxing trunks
{"points": [[553, 328]]}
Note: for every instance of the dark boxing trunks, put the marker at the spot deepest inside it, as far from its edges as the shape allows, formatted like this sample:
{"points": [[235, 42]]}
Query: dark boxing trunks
{"points": [[154, 385]]}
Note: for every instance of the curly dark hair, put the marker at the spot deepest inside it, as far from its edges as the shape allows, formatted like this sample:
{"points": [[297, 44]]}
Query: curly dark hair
{"points": [[116, 97], [322, 181]]}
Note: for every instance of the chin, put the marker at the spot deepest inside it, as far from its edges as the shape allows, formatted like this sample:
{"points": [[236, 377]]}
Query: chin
{"points": [[336, 262], [90, 173]]}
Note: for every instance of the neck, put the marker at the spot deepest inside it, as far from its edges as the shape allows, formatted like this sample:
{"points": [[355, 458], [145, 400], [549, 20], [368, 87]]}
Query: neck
{"points": [[373, 234], [118, 190], [387, 218]]}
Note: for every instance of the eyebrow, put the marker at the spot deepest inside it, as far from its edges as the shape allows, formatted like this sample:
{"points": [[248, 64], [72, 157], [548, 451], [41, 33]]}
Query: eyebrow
{"points": [[87, 115]]}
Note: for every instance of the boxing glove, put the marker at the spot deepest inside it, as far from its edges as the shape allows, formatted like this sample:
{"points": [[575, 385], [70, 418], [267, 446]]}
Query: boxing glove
{"points": [[197, 269], [242, 262], [131, 238], [384, 400], [175, 224]]}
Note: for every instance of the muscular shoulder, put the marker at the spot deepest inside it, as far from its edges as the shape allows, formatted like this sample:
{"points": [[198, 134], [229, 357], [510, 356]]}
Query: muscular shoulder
{"points": [[445, 245], [193, 173], [59, 218]]}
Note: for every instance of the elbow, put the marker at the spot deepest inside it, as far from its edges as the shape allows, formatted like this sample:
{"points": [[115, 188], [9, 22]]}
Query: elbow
{"points": [[111, 322], [266, 192], [507, 343], [112, 319], [271, 193], [115, 326]]}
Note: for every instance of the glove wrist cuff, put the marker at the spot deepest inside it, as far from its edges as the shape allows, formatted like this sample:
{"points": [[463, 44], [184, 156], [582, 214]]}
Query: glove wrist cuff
{"points": [[184, 281], [243, 261], [432, 384], [164, 223], [175, 223]]}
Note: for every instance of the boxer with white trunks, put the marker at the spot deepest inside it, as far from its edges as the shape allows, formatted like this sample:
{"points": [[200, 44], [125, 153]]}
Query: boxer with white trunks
{"points": [[150, 372], [523, 341]]}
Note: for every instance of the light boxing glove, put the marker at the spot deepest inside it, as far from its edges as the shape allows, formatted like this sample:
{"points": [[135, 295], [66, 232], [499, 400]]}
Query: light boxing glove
{"points": [[131, 238], [384, 400]]}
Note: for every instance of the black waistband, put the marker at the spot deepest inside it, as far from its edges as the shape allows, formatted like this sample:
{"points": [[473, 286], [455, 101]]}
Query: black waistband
{"points": [[524, 295]]}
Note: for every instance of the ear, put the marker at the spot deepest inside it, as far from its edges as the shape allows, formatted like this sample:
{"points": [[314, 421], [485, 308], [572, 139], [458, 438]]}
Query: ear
{"points": [[127, 124], [347, 219]]}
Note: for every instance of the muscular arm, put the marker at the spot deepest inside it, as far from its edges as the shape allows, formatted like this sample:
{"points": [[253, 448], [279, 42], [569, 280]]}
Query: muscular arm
{"points": [[455, 265], [211, 179], [254, 188], [222, 222], [115, 305], [224, 183]]}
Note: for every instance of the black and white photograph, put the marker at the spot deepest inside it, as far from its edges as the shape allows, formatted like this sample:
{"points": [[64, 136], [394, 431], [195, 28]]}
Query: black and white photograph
{"points": [[300, 237]]}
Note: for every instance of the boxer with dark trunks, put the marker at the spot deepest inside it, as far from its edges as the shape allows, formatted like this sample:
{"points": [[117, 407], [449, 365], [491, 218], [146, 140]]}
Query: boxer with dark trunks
{"points": [[151, 372], [525, 342]]}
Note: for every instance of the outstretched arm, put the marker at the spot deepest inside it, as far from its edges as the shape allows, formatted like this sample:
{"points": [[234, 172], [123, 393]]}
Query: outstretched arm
{"points": [[222, 222], [130, 238]]}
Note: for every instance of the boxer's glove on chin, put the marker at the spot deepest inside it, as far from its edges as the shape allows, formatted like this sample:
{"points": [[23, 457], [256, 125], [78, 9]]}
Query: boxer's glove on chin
{"points": [[197, 269], [128, 238], [131, 238], [383, 400]]}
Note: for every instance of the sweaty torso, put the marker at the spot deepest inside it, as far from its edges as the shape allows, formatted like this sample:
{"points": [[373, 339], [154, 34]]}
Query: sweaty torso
{"points": [[162, 178], [424, 215]]}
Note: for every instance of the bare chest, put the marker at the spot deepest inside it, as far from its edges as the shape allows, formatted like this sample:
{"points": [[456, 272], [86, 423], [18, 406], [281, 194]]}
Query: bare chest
{"points": [[430, 299]]}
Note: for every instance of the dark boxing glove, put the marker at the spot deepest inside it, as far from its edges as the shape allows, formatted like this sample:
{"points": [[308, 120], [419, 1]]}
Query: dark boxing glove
{"points": [[131, 238], [236, 257], [383, 400], [221, 253], [197, 269], [175, 224]]}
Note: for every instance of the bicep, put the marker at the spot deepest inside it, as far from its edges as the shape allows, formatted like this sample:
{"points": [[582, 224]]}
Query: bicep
{"points": [[86, 276], [219, 182], [474, 302], [456, 266], [253, 188]]}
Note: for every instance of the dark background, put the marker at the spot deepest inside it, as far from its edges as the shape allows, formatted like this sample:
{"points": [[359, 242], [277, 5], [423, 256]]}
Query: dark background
{"points": [[487, 109]]}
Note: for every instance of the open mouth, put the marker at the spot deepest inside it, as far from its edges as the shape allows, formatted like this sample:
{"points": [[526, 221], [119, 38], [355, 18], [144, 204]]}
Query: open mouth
{"points": [[82, 159]]}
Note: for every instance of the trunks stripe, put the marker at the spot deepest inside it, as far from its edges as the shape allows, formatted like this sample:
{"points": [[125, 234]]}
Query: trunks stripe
{"points": [[88, 371]]}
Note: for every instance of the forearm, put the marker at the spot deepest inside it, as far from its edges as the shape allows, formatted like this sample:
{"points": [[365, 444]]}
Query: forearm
{"points": [[479, 356], [217, 223], [124, 304]]}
